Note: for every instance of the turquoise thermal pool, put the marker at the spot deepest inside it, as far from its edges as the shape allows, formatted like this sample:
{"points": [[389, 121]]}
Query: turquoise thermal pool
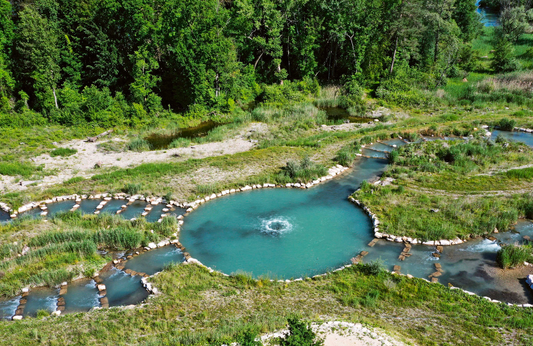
{"points": [[283, 233]]}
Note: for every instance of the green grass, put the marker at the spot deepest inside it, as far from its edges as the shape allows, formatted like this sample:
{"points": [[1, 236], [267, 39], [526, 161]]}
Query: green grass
{"points": [[425, 172], [66, 246], [200, 308], [23, 169], [139, 144], [514, 255], [63, 152]]}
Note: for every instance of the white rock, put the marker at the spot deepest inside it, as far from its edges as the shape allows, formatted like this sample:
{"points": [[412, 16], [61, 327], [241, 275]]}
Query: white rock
{"points": [[17, 318], [101, 287], [152, 245]]}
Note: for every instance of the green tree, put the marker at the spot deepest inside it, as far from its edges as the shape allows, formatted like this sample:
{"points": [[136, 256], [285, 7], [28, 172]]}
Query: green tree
{"points": [[513, 23], [504, 60], [145, 80], [37, 45], [466, 16], [300, 334]]}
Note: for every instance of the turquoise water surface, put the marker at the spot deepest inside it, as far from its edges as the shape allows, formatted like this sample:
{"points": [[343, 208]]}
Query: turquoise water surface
{"points": [[283, 233]]}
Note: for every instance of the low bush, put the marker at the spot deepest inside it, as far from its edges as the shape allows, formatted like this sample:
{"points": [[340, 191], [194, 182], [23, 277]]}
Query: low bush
{"points": [[300, 334], [506, 124], [302, 171]]}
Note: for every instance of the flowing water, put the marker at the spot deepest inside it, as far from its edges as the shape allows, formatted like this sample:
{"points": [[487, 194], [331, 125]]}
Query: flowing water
{"points": [[123, 289], [8, 308], [288, 233], [34, 213], [374, 154], [155, 213], [395, 142], [516, 136], [282, 233], [4, 216], [113, 206], [41, 299], [82, 295], [380, 147], [156, 260]]}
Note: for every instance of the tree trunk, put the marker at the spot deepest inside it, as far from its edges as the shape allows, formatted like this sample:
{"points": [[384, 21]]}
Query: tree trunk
{"points": [[55, 97], [353, 51], [436, 46], [257, 61], [394, 55]]}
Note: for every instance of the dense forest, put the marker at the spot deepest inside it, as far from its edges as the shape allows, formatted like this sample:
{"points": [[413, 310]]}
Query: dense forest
{"points": [[115, 62]]}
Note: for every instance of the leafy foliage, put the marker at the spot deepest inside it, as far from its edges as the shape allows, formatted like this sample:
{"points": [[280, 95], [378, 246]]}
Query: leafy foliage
{"points": [[300, 334]]}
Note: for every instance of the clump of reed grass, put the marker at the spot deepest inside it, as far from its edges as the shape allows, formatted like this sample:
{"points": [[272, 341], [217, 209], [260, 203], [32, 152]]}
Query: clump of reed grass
{"points": [[513, 255], [139, 144], [132, 188]]}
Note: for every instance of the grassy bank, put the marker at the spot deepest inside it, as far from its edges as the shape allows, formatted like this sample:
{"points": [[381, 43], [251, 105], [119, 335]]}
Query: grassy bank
{"points": [[66, 246], [199, 308], [431, 196]]}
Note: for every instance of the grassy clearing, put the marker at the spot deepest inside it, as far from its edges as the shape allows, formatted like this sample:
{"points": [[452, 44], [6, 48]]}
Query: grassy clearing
{"points": [[199, 308], [461, 166], [429, 216]]}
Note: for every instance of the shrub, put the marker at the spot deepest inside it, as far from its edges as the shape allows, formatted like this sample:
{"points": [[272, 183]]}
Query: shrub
{"points": [[506, 124], [300, 334], [513, 255], [504, 60], [372, 268], [304, 170], [179, 143], [63, 152], [347, 155], [247, 338]]}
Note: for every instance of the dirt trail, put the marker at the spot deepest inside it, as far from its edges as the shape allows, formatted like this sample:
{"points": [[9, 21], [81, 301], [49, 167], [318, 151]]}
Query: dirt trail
{"points": [[83, 163]]}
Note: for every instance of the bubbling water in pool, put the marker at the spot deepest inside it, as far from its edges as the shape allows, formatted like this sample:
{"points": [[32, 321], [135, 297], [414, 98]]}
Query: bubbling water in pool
{"points": [[276, 226]]}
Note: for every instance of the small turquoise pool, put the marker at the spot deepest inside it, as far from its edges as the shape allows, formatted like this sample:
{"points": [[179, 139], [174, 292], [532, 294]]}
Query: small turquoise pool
{"points": [[82, 295], [123, 289]]}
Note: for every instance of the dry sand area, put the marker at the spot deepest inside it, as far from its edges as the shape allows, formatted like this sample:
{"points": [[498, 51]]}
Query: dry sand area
{"points": [[82, 164]]}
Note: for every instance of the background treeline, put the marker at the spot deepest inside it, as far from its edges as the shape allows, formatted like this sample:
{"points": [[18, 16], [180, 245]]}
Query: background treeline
{"points": [[111, 62]]}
